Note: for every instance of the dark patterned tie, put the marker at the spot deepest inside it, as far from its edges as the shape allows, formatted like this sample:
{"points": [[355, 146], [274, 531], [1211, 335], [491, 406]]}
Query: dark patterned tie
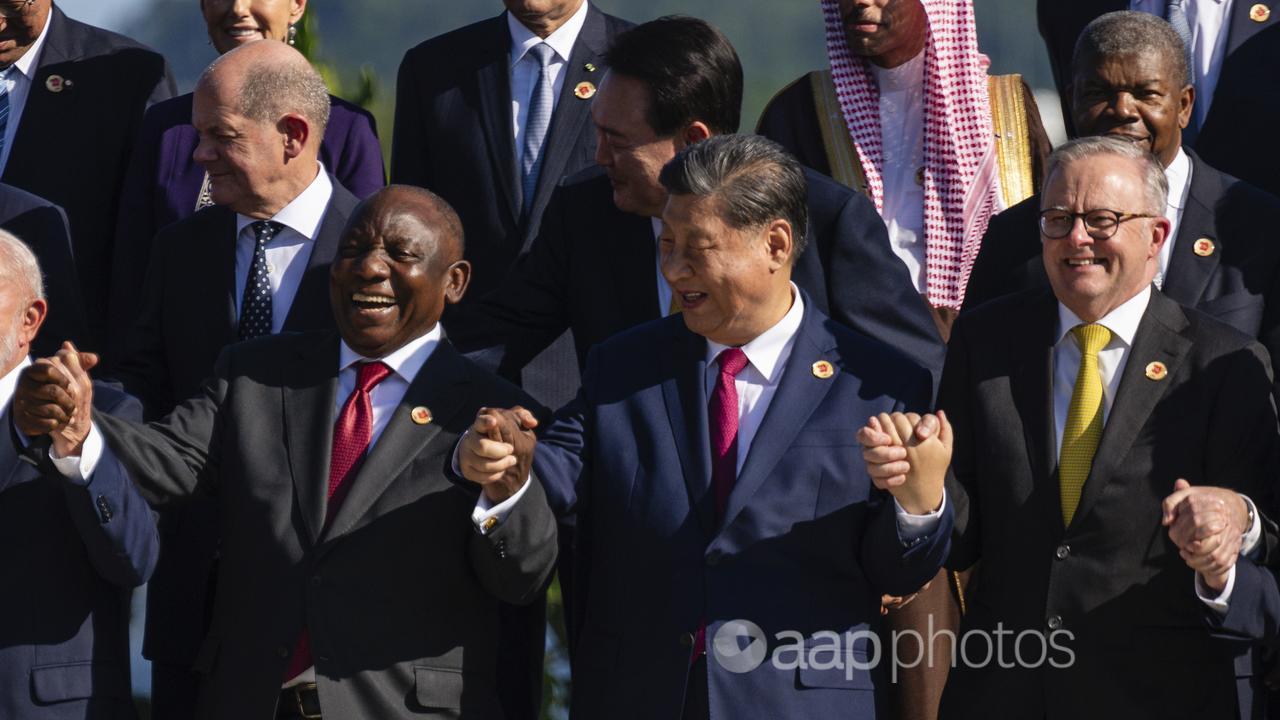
{"points": [[255, 304], [352, 434], [1177, 17]]}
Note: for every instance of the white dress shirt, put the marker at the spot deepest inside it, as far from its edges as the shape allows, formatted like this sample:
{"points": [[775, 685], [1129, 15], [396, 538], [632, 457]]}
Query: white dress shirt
{"points": [[1210, 23], [902, 142], [289, 251], [1179, 176], [17, 79], [9, 383], [525, 68]]}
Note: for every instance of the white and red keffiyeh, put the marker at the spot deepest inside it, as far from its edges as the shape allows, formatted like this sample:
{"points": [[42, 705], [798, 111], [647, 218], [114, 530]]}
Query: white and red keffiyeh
{"points": [[961, 177]]}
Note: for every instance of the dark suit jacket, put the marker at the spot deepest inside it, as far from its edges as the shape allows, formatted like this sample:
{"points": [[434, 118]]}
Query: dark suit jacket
{"points": [[109, 82], [43, 227], [453, 136], [400, 593], [807, 544], [1238, 284], [1236, 136], [70, 556], [1138, 646], [189, 317], [593, 270], [163, 185]]}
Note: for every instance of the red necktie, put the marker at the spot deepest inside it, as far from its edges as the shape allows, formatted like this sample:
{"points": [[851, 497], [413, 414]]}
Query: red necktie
{"points": [[722, 420], [351, 435]]}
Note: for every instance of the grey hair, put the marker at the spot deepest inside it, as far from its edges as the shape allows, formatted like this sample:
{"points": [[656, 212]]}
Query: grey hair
{"points": [[19, 267], [1126, 33], [755, 180], [270, 90], [1155, 183]]}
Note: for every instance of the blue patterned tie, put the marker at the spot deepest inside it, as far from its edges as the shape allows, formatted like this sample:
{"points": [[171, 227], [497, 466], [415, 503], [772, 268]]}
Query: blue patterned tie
{"points": [[541, 104], [255, 305], [4, 106], [1177, 17]]}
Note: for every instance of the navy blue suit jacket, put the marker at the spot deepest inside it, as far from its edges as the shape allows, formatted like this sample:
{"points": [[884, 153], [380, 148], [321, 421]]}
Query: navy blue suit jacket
{"points": [[593, 270], [69, 559], [807, 543]]}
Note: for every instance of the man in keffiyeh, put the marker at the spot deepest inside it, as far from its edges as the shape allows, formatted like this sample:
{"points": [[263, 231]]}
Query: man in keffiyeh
{"points": [[907, 114]]}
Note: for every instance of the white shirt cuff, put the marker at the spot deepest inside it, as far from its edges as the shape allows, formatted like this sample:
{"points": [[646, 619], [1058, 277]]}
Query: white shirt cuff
{"points": [[1253, 537], [1220, 602], [79, 469], [488, 516], [914, 528]]}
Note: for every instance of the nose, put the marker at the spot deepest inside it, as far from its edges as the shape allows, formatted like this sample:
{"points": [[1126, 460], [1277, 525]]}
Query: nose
{"points": [[241, 7], [1124, 107], [1079, 235], [372, 266], [204, 153], [673, 265], [604, 155]]}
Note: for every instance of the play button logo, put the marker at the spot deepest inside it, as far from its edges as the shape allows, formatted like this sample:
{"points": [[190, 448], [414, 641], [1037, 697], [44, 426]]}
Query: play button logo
{"points": [[740, 646]]}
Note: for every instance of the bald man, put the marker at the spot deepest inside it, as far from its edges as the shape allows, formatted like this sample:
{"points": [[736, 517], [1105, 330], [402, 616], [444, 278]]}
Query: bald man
{"points": [[359, 577], [255, 264]]}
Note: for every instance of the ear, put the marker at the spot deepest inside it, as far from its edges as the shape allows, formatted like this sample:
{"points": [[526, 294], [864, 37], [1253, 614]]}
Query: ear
{"points": [[1186, 103], [697, 131], [459, 276], [1159, 235], [780, 242], [295, 12], [32, 318], [297, 133]]}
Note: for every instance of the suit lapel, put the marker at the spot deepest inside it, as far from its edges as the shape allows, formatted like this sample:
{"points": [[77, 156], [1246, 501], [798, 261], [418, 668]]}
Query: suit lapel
{"points": [[12, 469], [1189, 273], [1243, 28], [28, 153], [1031, 384], [1159, 338], [684, 393], [311, 307], [308, 400], [495, 113], [441, 386], [634, 254], [571, 111], [799, 394]]}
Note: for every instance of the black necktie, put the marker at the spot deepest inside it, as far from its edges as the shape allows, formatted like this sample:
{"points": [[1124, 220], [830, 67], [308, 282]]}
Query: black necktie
{"points": [[255, 305]]}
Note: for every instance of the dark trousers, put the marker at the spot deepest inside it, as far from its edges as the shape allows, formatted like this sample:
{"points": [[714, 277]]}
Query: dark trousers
{"points": [[697, 703], [173, 691]]}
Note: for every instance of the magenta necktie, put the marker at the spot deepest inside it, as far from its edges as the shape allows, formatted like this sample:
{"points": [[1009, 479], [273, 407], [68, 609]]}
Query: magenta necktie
{"points": [[722, 420], [351, 435]]}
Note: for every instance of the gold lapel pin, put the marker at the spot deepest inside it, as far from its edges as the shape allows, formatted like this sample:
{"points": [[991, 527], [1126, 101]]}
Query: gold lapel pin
{"points": [[420, 415], [1259, 13], [56, 83], [584, 91], [1156, 371], [489, 524], [589, 67], [823, 370], [1203, 247]]}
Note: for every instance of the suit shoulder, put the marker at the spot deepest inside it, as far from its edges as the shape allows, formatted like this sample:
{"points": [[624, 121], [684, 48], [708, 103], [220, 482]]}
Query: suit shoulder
{"points": [[494, 390], [797, 93], [875, 361], [168, 113], [345, 112], [95, 42], [466, 40], [196, 225], [615, 25], [637, 344], [342, 199], [1215, 336], [18, 200], [1004, 312]]}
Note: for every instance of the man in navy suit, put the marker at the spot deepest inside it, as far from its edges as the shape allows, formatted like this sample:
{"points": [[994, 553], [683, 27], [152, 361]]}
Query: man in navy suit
{"points": [[216, 278], [70, 552], [593, 268], [491, 116], [711, 461], [1235, 56]]}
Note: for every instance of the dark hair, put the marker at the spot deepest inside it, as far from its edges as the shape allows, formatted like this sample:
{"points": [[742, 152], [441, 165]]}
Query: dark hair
{"points": [[691, 70], [755, 180], [1124, 32]]}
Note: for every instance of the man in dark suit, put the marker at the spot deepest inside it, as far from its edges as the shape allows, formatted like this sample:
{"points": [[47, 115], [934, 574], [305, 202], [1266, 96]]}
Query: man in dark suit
{"points": [[43, 227], [70, 552], [1074, 409], [1235, 56], [63, 74], [256, 263], [491, 117], [594, 266], [359, 578], [723, 510], [1222, 258]]}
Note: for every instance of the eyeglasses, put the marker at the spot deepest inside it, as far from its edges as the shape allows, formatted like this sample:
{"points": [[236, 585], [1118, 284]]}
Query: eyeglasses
{"points": [[10, 9], [1100, 224]]}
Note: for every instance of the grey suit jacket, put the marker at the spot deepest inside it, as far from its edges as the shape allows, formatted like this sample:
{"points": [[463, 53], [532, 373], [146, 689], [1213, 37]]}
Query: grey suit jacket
{"points": [[401, 595]]}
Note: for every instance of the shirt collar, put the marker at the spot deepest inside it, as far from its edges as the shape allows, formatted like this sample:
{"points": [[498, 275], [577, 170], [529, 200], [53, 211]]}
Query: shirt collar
{"points": [[767, 352], [1179, 175], [304, 213], [405, 362], [31, 58], [9, 383], [907, 76], [1122, 321], [562, 40]]}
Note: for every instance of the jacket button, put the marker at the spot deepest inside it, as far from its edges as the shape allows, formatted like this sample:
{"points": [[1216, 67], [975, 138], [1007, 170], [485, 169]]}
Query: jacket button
{"points": [[686, 639], [1063, 552], [1055, 622], [282, 651], [713, 558]]}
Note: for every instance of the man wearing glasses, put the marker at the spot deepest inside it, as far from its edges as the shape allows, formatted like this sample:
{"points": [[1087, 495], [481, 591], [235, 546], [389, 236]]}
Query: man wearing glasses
{"points": [[1074, 410], [1130, 81]]}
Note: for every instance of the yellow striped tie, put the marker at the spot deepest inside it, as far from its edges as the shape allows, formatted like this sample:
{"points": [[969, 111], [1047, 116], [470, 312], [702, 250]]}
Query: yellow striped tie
{"points": [[1083, 431]]}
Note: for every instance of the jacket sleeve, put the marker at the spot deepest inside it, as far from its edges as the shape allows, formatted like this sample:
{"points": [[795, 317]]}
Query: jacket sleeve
{"points": [[360, 168]]}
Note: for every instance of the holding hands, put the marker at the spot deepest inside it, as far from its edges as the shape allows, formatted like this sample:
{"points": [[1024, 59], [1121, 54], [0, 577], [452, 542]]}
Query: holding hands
{"points": [[1207, 524], [497, 452], [54, 397], [908, 455]]}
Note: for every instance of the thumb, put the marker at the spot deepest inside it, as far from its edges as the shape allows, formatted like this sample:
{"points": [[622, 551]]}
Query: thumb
{"points": [[945, 435], [88, 361], [1181, 484]]}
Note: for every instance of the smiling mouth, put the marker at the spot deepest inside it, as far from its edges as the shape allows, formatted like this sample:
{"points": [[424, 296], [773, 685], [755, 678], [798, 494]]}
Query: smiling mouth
{"points": [[240, 33], [1085, 262], [690, 300], [364, 301]]}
